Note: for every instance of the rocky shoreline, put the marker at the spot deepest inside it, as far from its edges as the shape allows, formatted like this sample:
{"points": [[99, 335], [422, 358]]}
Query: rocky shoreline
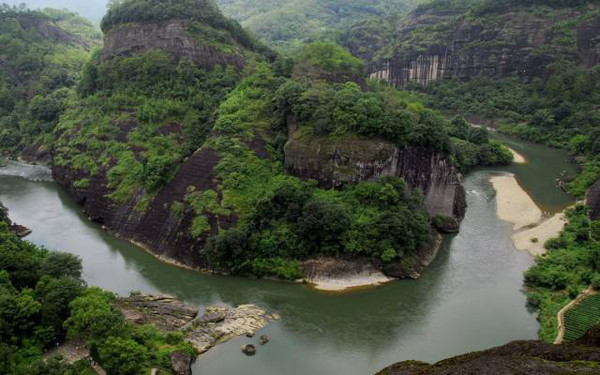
{"points": [[215, 325]]}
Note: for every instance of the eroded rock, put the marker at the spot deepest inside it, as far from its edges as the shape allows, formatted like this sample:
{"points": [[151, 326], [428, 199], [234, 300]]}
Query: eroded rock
{"points": [[207, 331], [181, 363], [163, 311]]}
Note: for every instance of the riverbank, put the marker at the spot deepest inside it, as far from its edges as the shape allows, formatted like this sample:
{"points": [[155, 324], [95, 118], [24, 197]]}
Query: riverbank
{"points": [[514, 205], [517, 158]]}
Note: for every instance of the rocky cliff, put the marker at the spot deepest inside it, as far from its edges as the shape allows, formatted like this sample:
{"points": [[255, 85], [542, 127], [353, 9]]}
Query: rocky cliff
{"points": [[351, 159], [159, 229], [437, 42], [518, 357], [177, 37]]}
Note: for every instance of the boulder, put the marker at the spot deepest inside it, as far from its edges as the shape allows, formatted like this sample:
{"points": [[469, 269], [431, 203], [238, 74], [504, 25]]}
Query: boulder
{"points": [[264, 339], [249, 349], [181, 363]]}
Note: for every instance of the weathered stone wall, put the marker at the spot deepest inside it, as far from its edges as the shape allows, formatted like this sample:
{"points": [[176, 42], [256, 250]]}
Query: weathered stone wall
{"points": [[158, 228], [513, 43], [350, 159]]}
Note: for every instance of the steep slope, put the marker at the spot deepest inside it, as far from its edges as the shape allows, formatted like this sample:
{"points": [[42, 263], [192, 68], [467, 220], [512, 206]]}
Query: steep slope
{"points": [[41, 55], [446, 39]]}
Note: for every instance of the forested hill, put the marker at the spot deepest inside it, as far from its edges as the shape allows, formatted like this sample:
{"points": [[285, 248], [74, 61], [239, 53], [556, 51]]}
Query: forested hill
{"points": [[285, 24], [529, 67], [41, 56]]}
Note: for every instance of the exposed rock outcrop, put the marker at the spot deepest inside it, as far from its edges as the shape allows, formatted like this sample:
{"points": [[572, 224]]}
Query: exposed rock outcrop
{"points": [[17, 229], [181, 363], [219, 324], [437, 43], [518, 357], [350, 159], [162, 311], [173, 37], [216, 325]]}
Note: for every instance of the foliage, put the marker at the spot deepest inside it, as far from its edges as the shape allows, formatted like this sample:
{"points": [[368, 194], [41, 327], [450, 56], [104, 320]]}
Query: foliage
{"points": [[287, 24], [560, 110], [136, 119], [282, 219], [330, 57], [36, 71], [43, 300], [337, 109], [571, 264]]}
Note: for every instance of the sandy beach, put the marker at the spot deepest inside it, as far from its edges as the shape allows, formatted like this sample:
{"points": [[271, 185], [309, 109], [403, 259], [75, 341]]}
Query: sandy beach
{"points": [[531, 229], [517, 158], [338, 284], [513, 204], [533, 239]]}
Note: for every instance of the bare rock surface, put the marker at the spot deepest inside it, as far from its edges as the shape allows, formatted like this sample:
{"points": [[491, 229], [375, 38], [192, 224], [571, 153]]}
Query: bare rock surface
{"points": [[517, 357], [163, 311], [220, 323]]}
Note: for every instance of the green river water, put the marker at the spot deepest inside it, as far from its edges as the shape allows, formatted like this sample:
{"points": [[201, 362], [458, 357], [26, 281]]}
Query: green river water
{"points": [[470, 298]]}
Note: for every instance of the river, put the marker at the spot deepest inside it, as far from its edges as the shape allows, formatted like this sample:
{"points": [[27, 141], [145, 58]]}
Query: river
{"points": [[470, 298]]}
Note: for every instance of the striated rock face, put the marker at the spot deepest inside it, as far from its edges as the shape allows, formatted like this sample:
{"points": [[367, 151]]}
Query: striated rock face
{"points": [[158, 228], [173, 37], [435, 44], [351, 159], [518, 357]]}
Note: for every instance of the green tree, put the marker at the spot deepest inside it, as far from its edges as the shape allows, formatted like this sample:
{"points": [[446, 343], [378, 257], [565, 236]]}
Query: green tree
{"points": [[121, 356]]}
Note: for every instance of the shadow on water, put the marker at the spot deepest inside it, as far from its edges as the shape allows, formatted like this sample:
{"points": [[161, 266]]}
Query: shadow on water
{"points": [[469, 298]]}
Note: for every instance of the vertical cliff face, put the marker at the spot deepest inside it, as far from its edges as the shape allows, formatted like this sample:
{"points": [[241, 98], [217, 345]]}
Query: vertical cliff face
{"points": [[435, 44], [161, 229], [174, 37], [350, 159]]}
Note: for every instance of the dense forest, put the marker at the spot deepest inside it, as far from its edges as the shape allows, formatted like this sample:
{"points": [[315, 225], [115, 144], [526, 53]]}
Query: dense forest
{"points": [[44, 301], [42, 54]]}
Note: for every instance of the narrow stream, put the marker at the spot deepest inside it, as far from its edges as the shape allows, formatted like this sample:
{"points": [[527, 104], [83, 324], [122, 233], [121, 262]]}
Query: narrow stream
{"points": [[470, 298]]}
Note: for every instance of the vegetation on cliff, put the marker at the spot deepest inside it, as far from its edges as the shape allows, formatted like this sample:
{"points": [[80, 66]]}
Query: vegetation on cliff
{"points": [[136, 118], [44, 301], [41, 56], [208, 21], [283, 219]]}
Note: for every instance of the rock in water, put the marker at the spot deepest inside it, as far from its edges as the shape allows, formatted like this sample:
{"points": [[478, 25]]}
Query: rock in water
{"points": [[181, 363], [207, 330], [264, 339], [249, 349]]}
